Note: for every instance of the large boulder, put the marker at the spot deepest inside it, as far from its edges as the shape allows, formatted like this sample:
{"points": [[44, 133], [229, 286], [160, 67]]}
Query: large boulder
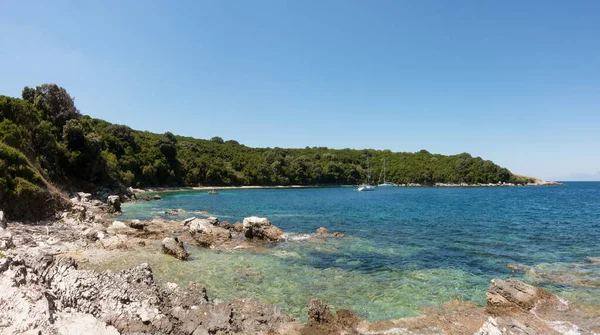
{"points": [[261, 229], [515, 294], [207, 234], [255, 221], [2, 220], [114, 203], [172, 246]]}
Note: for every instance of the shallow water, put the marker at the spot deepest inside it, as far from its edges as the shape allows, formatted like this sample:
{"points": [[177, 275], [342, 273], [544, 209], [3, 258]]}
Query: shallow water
{"points": [[409, 247]]}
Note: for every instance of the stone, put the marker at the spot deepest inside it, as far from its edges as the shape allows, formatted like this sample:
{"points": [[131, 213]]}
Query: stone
{"points": [[490, 327], [93, 234], [337, 234], [175, 211], [262, 229], [84, 197], [172, 246], [254, 221], [187, 221], [118, 225], [114, 203], [322, 231], [129, 193], [271, 233], [213, 220], [208, 235], [156, 197], [137, 224], [515, 294], [6, 240], [238, 227], [2, 220]]}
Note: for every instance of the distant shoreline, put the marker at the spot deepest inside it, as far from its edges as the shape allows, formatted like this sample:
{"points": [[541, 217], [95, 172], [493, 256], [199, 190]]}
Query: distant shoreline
{"points": [[257, 187]]}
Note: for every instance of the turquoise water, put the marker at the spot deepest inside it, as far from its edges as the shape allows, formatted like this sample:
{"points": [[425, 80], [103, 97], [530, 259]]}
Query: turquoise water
{"points": [[407, 247]]}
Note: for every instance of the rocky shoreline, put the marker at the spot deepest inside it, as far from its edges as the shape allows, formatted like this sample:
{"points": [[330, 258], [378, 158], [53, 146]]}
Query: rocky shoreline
{"points": [[44, 290]]}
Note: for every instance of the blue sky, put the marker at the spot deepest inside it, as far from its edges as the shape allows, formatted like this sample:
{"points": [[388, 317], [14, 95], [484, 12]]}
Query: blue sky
{"points": [[517, 82]]}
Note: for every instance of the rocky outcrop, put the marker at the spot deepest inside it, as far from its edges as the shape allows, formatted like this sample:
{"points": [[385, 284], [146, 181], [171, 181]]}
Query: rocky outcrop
{"points": [[2, 220], [175, 211], [261, 229], [6, 240], [321, 320], [322, 231], [172, 246], [118, 225], [41, 293], [208, 235], [137, 224], [84, 197], [515, 294], [187, 221], [238, 227], [114, 203]]}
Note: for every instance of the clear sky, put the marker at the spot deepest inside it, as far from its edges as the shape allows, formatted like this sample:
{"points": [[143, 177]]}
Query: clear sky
{"points": [[517, 82]]}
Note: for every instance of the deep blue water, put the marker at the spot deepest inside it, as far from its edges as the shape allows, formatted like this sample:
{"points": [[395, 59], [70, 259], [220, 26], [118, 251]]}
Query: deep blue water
{"points": [[409, 247]]}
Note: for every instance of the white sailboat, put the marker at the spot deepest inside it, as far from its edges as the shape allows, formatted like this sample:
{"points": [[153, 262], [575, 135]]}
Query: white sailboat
{"points": [[367, 186], [385, 183]]}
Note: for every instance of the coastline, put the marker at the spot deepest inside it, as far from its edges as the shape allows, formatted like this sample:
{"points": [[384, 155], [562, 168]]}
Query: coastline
{"points": [[165, 189], [49, 254]]}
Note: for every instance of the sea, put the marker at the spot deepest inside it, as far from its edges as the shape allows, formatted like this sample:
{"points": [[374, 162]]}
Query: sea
{"points": [[405, 248]]}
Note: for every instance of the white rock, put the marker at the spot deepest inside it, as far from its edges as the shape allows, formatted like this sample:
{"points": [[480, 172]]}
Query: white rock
{"points": [[255, 221], [84, 196], [490, 327], [2, 220], [79, 323], [118, 225], [186, 222]]}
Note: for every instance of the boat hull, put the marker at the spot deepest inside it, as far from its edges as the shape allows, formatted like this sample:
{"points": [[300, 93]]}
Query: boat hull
{"points": [[366, 188]]}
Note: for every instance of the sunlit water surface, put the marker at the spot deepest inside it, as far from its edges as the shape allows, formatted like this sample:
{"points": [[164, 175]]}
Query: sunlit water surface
{"points": [[407, 248]]}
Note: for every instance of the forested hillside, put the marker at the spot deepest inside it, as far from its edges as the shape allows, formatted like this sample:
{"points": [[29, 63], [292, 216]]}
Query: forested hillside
{"points": [[45, 137]]}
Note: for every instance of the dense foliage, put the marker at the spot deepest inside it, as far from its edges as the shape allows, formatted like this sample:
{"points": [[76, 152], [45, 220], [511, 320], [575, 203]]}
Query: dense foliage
{"points": [[72, 150]]}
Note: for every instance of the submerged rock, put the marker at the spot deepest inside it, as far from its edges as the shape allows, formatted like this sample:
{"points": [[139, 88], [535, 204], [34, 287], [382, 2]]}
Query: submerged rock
{"points": [[175, 211], [172, 246], [262, 229], [208, 235], [156, 197]]}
